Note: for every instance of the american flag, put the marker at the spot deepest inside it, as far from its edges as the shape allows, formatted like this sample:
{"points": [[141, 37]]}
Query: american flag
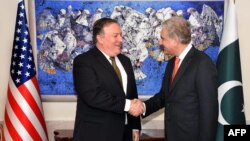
{"points": [[23, 119]]}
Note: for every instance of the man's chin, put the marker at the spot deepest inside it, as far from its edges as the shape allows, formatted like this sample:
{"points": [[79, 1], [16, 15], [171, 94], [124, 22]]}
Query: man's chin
{"points": [[118, 52]]}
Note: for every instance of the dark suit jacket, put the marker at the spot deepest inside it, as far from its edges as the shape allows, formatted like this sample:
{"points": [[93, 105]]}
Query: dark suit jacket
{"points": [[100, 112], [191, 106]]}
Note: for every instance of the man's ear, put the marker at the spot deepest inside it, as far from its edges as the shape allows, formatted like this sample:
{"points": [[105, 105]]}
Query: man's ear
{"points": [[176, 40], [99, 38]]}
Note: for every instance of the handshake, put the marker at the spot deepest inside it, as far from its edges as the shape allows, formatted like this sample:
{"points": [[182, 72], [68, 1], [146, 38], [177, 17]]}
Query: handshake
{"points": [[136, 108]]}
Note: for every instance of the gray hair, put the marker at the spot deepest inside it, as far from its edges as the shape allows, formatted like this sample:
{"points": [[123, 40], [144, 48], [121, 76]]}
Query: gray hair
{"points": [[178, 26]]}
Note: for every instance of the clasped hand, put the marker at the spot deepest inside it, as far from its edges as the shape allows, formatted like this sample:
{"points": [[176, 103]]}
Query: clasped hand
{"points": [[136, 108]]}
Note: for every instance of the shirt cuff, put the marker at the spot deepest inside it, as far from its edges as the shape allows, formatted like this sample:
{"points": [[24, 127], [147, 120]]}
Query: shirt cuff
{"points": [[144, 112], [136, 130], [127, 105]]}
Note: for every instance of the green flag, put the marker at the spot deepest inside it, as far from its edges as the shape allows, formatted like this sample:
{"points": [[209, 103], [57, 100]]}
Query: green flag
{"points": [[230, 91]]}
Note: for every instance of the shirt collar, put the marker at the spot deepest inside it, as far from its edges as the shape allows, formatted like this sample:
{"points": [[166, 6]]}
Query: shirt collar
{"points": [[106, 56], [185, 51]]}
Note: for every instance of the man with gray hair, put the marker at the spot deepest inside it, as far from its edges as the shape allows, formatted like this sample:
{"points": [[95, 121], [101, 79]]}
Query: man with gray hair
{"points": [[189, 87]]}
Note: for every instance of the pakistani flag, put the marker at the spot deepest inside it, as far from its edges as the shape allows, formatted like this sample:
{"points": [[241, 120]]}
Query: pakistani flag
{"points": [[230, 91]]}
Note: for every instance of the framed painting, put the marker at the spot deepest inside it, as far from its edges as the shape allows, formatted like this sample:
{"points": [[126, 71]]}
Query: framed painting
{"points": [[64, 30]]}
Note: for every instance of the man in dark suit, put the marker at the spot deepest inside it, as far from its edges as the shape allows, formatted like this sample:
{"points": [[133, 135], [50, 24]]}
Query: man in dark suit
{"points": [[105, 86], [189, 87]]}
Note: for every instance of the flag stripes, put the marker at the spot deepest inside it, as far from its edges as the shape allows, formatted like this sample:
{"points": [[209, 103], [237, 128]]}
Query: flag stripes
{"points": [[23, 109], [23, 119], [30, 89], [9, 125], [13, 120]]}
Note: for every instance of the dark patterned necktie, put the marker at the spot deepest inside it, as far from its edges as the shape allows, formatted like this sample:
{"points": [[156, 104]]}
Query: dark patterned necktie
{"points": [[117, 71]]}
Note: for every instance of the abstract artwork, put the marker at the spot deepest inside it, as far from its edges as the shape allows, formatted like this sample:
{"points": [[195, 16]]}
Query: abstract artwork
{"points": [[64, 30]]}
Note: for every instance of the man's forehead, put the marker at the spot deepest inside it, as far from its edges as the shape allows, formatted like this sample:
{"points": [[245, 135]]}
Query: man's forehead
{"points": [[111, 25], [112, 28]]}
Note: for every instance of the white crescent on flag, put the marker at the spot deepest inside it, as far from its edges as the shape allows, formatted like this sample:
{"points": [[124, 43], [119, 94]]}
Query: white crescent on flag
{"points": [[222, 90]]}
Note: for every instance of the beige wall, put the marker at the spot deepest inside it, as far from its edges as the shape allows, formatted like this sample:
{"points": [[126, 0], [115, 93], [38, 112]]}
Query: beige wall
{"points": [[244, 28], [61, 114]]}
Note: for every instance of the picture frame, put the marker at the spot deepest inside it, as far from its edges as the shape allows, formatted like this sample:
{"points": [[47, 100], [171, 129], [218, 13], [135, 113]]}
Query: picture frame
{"points": [[63, 31]]}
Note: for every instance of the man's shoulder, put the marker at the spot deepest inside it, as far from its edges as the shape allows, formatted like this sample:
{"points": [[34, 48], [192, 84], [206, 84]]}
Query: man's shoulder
{"points": [[200, 54], [123, 57], [203, 59], [89, 53], [86, 56]]}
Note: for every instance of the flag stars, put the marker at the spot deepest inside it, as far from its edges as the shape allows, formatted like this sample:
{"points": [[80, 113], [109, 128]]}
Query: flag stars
{"points": [[20, 22], [19, 72], [22, 6], [18, 30], [26, 32], [22, 56], [27, 74], [25, 40], [30, 59], [22, 60], [21, 14], [17, 80], [20, 64], [17, 39], [28, 66], [24, 48]]}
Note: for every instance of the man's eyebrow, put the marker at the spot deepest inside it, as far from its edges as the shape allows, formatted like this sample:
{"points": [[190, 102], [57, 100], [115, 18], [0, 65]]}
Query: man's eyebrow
{"points": [[117, 33]]}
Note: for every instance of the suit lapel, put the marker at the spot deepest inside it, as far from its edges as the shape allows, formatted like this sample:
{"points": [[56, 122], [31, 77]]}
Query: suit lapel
{"points": [[102, 59], [184, 65], [105, 63], [168, 74]]}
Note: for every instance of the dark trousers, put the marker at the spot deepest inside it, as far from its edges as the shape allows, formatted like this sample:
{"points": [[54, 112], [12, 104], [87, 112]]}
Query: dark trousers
{"points": [[127, 135]]}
